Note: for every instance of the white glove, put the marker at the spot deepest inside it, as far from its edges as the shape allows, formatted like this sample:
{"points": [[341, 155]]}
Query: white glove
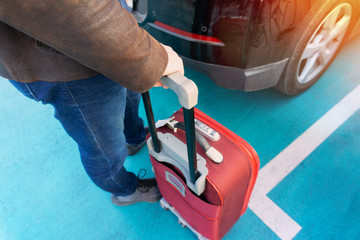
{"points": [[175, 63]]}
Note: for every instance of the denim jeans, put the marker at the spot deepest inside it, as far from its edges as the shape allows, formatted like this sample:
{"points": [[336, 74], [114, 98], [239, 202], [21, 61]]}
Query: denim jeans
{"points": [[101, 116]]}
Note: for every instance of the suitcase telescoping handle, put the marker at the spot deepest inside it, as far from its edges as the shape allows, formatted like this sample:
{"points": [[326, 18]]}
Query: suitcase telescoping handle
{"points": [[187, 92]]}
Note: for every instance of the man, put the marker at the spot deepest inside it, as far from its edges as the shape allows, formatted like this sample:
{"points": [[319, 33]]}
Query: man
{"points": [[88, 59]]}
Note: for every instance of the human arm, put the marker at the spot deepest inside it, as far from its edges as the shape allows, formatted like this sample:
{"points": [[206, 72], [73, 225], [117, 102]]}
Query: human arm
{"points": [[99, 34]]}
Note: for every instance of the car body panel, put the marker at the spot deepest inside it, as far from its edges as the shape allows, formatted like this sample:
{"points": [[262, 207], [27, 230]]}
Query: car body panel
{"points": [[253, 35]]}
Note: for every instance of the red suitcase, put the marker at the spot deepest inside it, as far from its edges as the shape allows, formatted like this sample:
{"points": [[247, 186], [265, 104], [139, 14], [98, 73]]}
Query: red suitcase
{"points": [[210, 194]]}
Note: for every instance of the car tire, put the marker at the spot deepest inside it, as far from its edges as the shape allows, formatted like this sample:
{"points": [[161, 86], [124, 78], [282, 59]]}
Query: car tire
{"points": [[316, 45]]}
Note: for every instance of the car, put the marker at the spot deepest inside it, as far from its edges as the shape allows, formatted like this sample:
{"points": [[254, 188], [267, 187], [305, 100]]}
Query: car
{"points": [[253, 44]]}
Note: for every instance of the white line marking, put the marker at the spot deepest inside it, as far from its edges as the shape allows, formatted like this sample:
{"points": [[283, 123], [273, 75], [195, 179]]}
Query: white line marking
{"points": [[274, 217], [287, 160]]}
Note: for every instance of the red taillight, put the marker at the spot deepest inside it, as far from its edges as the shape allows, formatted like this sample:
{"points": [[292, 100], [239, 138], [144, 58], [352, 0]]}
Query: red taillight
{"points": [[186, 35]]}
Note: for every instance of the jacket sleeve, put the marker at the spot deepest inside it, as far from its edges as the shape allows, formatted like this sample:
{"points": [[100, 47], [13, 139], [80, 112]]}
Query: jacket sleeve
{"points": [[99, 34]]}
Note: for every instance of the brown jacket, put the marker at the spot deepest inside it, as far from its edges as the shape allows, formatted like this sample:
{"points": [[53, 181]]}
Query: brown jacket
{"points": [[64, 40]]}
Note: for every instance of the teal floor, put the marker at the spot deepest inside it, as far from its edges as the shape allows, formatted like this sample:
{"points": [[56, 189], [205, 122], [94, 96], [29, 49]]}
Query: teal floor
{"points": [[45, 193]]}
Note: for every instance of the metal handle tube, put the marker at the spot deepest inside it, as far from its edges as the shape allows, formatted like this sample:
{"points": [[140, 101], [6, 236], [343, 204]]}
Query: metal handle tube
{"points": [[151, 121], [190, 142]]}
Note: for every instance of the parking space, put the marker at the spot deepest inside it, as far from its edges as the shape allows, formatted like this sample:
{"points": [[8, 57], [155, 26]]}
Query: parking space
{"points": [[308, 145]]}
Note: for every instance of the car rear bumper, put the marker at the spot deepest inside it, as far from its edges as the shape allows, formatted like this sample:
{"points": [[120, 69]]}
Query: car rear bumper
{"points": [[251, 79]]}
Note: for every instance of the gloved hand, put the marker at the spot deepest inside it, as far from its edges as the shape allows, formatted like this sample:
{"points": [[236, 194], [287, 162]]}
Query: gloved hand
{"points": [[175, 63]]}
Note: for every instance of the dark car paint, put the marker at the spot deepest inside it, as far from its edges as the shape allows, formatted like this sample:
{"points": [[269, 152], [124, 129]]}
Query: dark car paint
{"points": [[246, 27], [256, 34]]}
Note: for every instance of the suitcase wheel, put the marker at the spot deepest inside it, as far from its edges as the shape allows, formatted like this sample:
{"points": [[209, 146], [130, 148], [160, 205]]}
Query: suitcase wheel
{"points": [[164, 205], [165, 208], [182, 224]]}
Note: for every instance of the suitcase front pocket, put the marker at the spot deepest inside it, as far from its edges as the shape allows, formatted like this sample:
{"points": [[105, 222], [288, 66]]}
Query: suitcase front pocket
{"points": [[201, 215]]}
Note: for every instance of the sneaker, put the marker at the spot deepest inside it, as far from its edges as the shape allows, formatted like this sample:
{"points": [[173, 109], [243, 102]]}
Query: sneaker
{"points": [[134, 149], [146, 191]]}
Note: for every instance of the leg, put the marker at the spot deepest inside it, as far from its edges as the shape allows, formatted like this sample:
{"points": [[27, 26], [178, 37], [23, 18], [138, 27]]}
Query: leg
{"points": [[94, 119], [91, 111], [134, 125]]}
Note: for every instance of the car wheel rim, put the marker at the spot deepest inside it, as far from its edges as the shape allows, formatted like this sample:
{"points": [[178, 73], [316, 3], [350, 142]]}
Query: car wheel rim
{"points": [[324, 43]]}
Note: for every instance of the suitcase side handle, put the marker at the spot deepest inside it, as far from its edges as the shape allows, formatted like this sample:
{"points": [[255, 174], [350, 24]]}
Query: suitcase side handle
{"points": [[185, 89]]}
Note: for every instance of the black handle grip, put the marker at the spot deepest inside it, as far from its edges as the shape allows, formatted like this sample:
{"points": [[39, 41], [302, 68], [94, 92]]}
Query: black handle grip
{"points": [[150, 118], [189, 120]]}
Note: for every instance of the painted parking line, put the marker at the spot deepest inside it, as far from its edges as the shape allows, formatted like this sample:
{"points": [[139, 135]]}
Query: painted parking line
{"points": [[287, 160]]}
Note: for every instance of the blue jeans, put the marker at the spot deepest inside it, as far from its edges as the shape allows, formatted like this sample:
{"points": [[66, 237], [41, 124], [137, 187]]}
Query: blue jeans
{"points": [[101, 116]]}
